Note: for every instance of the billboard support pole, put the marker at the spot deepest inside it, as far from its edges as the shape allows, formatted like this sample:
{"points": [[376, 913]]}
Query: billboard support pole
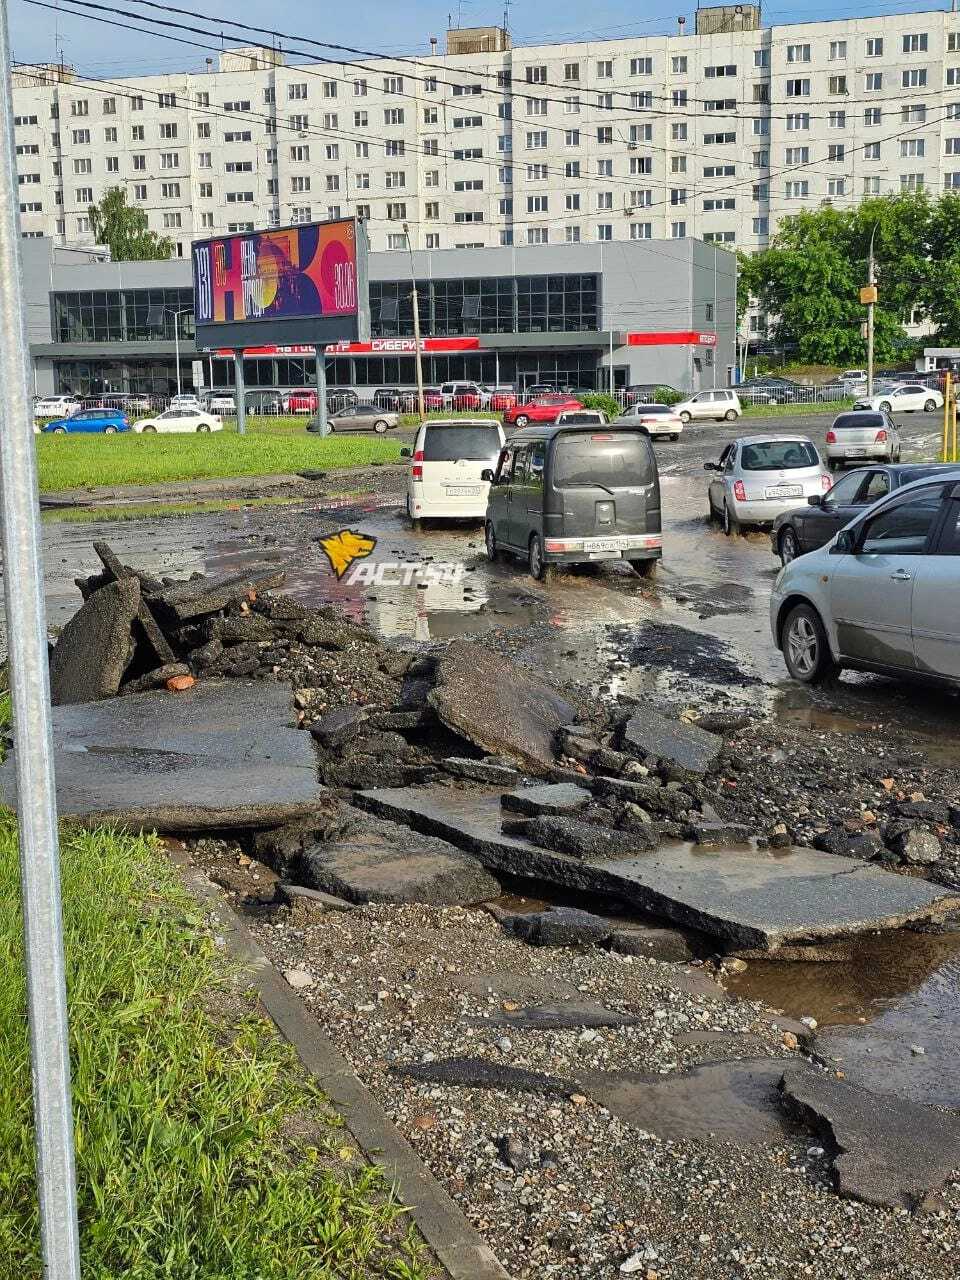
{"points": [[36, 791], [240, 393], [321, 353]]}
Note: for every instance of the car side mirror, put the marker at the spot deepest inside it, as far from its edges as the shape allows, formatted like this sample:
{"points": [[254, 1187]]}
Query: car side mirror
{"points": [[711, 466], [815, 500], [845, 544], [405, 453], [487, 474]]}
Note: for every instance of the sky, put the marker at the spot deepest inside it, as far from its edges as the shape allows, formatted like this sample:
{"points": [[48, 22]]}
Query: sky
{"points": [[41, 35]]}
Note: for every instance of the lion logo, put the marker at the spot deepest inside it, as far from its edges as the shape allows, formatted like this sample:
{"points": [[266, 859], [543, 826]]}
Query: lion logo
{"points": [[345, 546]]}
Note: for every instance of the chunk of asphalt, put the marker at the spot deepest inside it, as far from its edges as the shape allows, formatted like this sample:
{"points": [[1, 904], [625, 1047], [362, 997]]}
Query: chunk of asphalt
{"points": [[197, 598], [685, 745], [290, 893], [557, 1017], [551, 800], [499, 705], [887, 1151], [652, 796], [338, 726], [497, 775], [155, 679], [95, 647], [477, 1073], [588, 839], [558, 927], [719, 833], [116, 571]]}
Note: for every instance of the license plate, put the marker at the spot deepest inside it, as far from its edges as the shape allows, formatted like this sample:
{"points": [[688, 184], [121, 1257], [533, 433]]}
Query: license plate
{"points": [[462, 490], [852, 453], [784, 491], [605, 544]]}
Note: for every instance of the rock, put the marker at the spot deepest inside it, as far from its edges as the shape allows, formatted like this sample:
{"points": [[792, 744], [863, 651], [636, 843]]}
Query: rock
{"points": [[790, 1041], [400, 720], [290, 893], [499, 705], [576, 743], [95, 647], [571, 1015], [178, 684], [605, 760], [338, 726], [587, 839], [650, 733], [917, 846], [206, 655], [298, 979], [197, 598], [550, 800], [719, 833], [652, 796], [251, 626], [657, 941], [560, 927], [886, 1151], [155, 679], [513, 1153], [480, 771]]}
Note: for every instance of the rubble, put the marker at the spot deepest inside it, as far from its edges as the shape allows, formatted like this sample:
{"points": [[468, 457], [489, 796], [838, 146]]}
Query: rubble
{"points": [[94, 649]]}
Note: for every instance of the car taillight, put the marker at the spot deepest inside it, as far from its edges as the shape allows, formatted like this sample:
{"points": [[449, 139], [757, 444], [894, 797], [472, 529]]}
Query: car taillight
{"points": [[831, 437], [881, 437], [417, 471], [826, 481], [739, 492]]}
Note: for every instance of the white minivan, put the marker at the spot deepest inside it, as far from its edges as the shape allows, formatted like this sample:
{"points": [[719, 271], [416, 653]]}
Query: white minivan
{"points": [[446, 468], [719, 403]]}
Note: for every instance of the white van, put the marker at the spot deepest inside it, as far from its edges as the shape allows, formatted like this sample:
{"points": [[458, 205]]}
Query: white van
{"points": [[446, 467], [719, 404]]}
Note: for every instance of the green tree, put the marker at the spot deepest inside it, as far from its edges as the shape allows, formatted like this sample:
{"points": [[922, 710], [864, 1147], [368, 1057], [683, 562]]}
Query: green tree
{"points": [[115, 223]]}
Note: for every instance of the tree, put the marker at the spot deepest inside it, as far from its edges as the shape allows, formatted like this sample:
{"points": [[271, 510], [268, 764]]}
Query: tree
{"points": [[125, 230]]}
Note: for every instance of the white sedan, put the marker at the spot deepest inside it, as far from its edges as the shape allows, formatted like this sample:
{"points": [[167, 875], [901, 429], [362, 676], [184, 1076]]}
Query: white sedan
{"points": [[904, 397], [56, 407], [656, 419], [179, 419]]}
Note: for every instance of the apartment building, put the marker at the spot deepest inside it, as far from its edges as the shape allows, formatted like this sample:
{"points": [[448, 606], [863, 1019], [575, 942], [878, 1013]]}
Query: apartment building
{"points": [[715, 135]]}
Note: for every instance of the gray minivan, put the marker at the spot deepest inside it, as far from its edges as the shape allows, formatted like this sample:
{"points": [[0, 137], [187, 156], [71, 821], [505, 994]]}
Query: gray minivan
{"points": [[568, 493]]}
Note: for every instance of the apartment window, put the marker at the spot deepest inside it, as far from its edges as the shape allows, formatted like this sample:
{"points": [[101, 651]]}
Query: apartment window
{"points": [[720, 104], [299, 184], [605, 70], [269, 96], [911, 146], [572, 137], [393, 115], [951, 181], [83, 225], [678, 164], [331, 120], [432, 240], [678, 65], [798, 122], [953, 42], [718, 237], [204, 160], [139, 163], [572, 202], [837, 85], [604, 231], [761, 191], [873, 82], [719, 139], [430, 116], [872, 116], [504, 207], [168, 130], [871, 186], [641, 165], [638, 101], [641, 199], [761, 226], [914, 113], [170, 190], [537, 235], [798, 53], [797, 155], [911, 182], [761, 93], [29, 179], [329, 89], [536, 172], [799, 189], [505, 142], [83, 166], [875, 47], [605, 134], [471, 90], [300, 153], [504, 79], [301, 213], [462, 153], [273, 186], [573, 235], [718, 204], [838, 50], [363, 211], [914, 78], [468, 215], [30, 149], [571, 169], [362, 180], [205, 190], [242, 135], [31, 206], [172, 221], [915, 43], [836, 186], [360, 88], [84, 195], [678, 195], [953, 75], [761, 126], [678, 131], [536, 141], [727, 69], [605, 101], [392, 179], [240, 105], [81, 137], [474, 122], [537, 204], [641, 230], [641, 66], [952, 147], [24, 120], [239, 197], [396, 212], [79, 107], [679, 97], [837, 120], [604, 200], [761, 58], [505, 175], [394, 147], [678, 230], [720, 171], [362, 150], [169, 159], [239, 228], [167, 99], [571, 71], [798, 88], [536, 75], [203, 130], [871, 151]]}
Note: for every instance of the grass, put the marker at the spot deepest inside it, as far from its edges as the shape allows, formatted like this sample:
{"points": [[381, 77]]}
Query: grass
{"points": [[203, 1153], [159, 510], [791, 410]]}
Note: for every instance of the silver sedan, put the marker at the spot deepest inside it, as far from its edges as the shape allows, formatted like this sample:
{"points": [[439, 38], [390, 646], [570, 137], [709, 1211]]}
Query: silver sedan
{"points": [[759, 477], [360, 417]]}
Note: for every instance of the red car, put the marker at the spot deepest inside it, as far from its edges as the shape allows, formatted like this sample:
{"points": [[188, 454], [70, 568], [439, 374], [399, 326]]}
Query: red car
{"points": [[542, 409], [502, 398], [304, 401]]}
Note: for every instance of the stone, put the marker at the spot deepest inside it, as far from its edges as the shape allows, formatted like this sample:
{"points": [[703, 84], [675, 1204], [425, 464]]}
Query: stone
{"points": [[497, 775], [560, 927], [380, 861], [576, 743], [206, 655], [917, 847], [251, 626], [299, 979], [653, 797], [155, 679], [719, 833], [338, 726], [658, 942], [179, 683], [558, 1017], [290, 893], [885, 1150], [551, 800], [748, 897], [203, 596], [513, 1153], [148, 623], [499, 705], [588, 839], [403, 720], [93, 650], [685, 745]]}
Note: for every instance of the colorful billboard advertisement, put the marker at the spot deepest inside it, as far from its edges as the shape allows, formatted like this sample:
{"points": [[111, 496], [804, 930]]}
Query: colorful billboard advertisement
{"points": [[288, 273]]}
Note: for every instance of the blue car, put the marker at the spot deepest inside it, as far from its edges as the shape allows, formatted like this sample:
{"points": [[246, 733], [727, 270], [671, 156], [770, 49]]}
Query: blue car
{"points": [[106, 421]]}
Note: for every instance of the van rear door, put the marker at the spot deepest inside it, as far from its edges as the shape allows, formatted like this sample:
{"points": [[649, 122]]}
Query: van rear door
{"points": [[453, 458], [607, 485]]}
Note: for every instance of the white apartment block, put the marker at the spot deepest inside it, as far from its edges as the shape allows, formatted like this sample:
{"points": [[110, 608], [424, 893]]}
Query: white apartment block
{"points": [[716, 136]]}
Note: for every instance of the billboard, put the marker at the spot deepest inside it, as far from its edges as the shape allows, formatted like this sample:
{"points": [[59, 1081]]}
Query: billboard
{"points": [[298, 284]]}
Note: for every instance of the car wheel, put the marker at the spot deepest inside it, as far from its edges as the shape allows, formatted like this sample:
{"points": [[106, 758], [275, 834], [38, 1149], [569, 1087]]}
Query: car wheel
{"points": [[929, 406], [885, 404], [490, 538], [521, 420], [109, 431], [380, 427], [731, 415], [731, 525], [805, 647], [675, 436], [59, 431], [789, 546], [684, 417], [833, 464], [539, 568], [644, 568], [204, 426], [148, 430], [414, 522]]}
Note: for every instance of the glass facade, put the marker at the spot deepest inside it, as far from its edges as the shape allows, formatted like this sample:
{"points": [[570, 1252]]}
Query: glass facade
{"points": [[486, 304], [121, 315]]}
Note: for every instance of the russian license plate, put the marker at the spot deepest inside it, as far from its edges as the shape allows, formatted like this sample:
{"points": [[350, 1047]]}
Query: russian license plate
{"points": [[462, 490], [852, 453], [605, 544], [784, 491]]}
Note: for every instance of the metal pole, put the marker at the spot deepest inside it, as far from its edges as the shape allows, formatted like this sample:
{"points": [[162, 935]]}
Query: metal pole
{"points": [[871, 282], [611, 362], [176, 344], [946, 417], [418, 354], [36, 788], [239, 392], [321, 355]]}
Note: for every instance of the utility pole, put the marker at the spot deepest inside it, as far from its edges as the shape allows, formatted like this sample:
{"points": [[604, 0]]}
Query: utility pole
{"points": [[418, 355], [869, 296]]}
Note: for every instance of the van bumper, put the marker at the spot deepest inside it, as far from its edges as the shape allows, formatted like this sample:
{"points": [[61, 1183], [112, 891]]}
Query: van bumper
{"points": [[641, 546]]}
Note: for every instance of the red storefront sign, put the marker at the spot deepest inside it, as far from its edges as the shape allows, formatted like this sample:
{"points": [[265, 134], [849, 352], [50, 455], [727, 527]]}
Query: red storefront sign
{"points": [[672, 338], [402, 346]]}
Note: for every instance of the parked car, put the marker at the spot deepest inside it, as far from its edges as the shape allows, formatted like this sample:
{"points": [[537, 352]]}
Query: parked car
{"points": [[186, 399], [463, 396], [864, 435], [769, 390], [720, 403], [542, 409], [104, 421], [340, 398], [62, 406], [583, 417], [651, 393], [570, 494], [882, 594], [804, 529], [540, 389], [432, 399], [501, 396], [179, 419], [264, 402], [853, 375], [758, 477], [905, 397], [656, 420], [830, 392], [222, 402], [359, 417], [300, 400], [450, 461]]}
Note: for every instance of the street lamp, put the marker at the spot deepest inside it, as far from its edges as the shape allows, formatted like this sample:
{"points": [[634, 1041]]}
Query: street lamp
{"points": [[416, 328], [155, 321]]}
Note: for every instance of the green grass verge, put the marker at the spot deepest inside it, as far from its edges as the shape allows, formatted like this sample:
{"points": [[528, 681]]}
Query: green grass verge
{"points": [[159, 510], [203, 1152], [78, 462], [794, 410]]}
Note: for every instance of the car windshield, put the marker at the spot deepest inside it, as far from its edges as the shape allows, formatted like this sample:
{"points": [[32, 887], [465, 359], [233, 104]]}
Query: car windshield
{"points": [[613, 461], [475, 443], [859, 422], [779, 455]]}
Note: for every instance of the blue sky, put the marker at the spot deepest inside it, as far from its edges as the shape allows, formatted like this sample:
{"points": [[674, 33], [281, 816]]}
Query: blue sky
{"points": [[36, 34]]}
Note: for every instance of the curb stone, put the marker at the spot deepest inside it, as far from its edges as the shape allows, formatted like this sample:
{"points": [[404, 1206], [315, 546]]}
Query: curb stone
{"points": [[457, 1245]]}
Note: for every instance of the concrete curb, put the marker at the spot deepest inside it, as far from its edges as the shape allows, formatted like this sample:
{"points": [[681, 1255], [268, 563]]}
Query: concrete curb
{"points": [[457, 1245]]}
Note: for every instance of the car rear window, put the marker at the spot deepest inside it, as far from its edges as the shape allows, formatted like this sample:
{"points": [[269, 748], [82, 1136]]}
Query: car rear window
{"points": [[614, 461], [653, 408], [476, 444], [859, 421], [779, 455]]}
